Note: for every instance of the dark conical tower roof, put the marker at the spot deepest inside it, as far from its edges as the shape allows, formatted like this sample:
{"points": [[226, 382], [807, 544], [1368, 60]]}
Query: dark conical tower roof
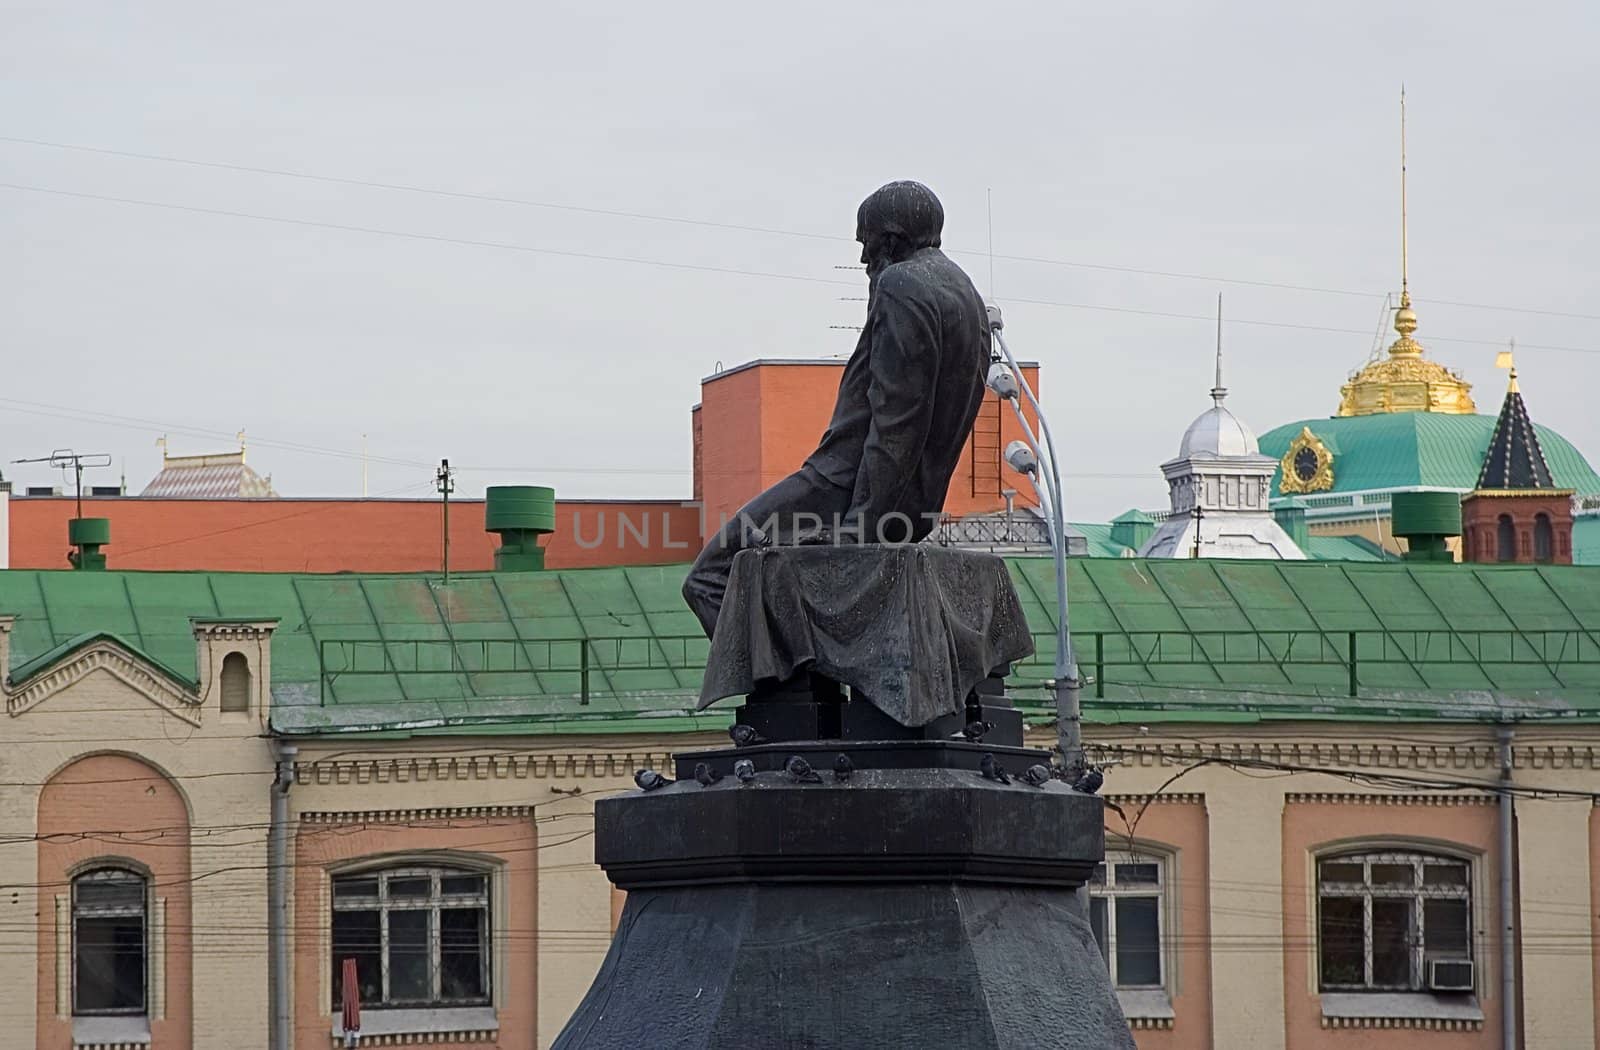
{"points": [[1514, 459]]}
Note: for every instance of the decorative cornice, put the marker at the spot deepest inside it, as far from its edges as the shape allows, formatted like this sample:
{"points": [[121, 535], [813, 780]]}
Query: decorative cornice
{"points": [[250, 629], [412, 816], [1345, 754], [1429, 1024], [1181, 798], [423, 768], [465, 1035], [107, 656], [1142, 1024], [1522, 493], [1354, 798]]}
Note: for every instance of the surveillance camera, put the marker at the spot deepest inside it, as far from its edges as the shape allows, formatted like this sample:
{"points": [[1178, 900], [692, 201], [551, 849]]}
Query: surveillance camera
{"points": [[996, 322]]}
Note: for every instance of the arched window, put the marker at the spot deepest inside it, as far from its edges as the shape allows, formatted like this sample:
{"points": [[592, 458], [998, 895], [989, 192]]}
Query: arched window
{"points": [[1506, 539], [235, 682], [109, 944], [1125, 911], [419, 935], [1394, 921], [1544, 538]]}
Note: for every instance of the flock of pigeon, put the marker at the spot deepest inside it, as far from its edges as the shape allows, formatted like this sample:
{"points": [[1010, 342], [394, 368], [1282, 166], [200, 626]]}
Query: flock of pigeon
{"points": [[800, 771]]}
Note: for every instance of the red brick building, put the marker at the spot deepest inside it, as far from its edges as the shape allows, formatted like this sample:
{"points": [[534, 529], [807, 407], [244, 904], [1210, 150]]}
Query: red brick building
{"points": [[757, 422], [754, 425]]}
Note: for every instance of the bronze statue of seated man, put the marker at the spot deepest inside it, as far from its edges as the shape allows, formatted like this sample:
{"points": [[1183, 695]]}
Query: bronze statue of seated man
{"points": [[905, 408]]}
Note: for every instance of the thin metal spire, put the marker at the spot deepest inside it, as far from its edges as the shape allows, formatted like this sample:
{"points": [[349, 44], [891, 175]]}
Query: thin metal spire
{"points": [[1218, 392], [1405, 290]]}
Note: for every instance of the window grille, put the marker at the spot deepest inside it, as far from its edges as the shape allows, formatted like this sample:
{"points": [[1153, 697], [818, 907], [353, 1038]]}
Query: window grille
{"points": [[419, 935], [1382, 917]]}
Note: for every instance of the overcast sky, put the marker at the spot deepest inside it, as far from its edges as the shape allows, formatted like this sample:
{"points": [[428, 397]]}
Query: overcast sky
{"points": [[1248, 143]]}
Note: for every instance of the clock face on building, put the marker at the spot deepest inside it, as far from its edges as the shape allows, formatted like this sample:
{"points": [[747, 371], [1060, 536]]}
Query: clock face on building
{"points": [[1305, 464]]}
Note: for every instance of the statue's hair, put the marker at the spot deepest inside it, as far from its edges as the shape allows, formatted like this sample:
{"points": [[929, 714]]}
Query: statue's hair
{"points": [[908, 209]]}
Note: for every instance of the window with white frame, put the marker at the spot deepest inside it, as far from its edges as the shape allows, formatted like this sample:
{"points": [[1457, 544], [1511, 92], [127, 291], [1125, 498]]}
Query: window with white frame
{"points": [[1125, 910], [419, 935], [1383, 917], [110, 946]]}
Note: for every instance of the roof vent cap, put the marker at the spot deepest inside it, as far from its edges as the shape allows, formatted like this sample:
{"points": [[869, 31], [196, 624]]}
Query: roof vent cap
{"points": [[520, 515]]}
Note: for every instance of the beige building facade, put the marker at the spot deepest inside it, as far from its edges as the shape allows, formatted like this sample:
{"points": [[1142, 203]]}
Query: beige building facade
{"points": [[1270, 885]]}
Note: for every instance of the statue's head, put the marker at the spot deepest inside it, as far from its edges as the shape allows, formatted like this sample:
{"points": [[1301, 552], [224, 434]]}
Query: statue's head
{"points": [[896, 221]]}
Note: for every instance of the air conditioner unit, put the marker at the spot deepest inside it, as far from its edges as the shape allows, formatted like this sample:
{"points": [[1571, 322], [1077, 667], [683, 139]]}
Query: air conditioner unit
{"points": [[1450, 975]]}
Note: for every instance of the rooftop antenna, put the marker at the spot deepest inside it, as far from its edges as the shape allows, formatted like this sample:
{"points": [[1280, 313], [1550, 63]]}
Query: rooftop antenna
{"points": [[363, 466], [240, 436], [66, 459]]}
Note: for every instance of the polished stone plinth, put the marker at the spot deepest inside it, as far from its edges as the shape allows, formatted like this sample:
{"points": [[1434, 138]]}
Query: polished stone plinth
{"points": [[915, 903]]}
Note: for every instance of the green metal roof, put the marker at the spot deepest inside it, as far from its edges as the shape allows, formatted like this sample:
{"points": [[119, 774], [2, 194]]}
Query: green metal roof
{"points": [[28, 668], [1098, 535], [615, 650], [1345, 548], [1403, 450]]}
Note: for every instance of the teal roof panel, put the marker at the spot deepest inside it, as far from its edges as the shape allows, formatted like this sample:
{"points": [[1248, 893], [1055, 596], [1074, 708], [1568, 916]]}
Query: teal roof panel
{"points": [[1404, 450]]}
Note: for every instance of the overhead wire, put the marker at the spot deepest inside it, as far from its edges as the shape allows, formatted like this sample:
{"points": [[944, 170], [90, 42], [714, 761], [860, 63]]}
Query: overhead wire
{"points": [[727, 270], [738, 227]]}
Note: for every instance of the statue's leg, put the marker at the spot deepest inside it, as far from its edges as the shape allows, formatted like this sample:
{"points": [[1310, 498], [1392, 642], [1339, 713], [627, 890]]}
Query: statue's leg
{"points": [[707, 581], [804, 498]]}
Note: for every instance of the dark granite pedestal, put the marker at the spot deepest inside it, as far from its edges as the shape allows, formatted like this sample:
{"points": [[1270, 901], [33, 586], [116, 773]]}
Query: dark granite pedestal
{"points": [[914, 904]]}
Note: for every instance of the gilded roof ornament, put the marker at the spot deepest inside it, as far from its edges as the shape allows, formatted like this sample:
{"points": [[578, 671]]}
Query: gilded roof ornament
{"points": [[1405, 381], [1307, 465]]}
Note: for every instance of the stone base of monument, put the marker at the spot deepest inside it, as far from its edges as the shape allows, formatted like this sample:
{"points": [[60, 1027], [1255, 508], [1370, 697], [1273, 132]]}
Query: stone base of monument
{"points": [[914, 903], [895, 897]]}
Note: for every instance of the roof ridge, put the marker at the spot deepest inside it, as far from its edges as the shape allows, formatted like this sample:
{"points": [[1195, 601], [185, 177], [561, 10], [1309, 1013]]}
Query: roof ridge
{"points": [[63, 649]]}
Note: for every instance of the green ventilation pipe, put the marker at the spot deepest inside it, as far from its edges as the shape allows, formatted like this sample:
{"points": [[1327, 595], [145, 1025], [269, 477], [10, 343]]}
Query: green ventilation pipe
{"points": [[520, 515], [87, 536], [1425, 520]]}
